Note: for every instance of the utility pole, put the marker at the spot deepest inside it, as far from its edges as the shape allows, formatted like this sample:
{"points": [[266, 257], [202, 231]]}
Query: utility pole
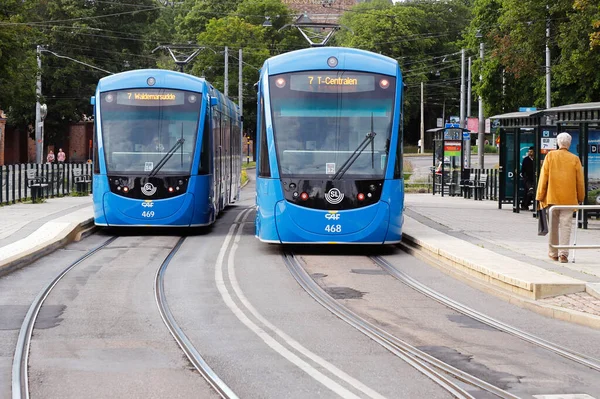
{"points": [[548, 96], [469, 94], [241, 102], [422, 121], [462, 88], [226, 82], [481, 132], [39, 147]]}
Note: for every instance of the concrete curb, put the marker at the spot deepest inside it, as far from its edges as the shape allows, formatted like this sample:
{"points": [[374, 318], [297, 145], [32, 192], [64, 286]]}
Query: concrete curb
{"points": [[571, 315], [74, 232]]}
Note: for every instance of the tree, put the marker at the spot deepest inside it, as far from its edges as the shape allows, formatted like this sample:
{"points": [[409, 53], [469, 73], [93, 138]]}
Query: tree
{"points": [[18, 67]]}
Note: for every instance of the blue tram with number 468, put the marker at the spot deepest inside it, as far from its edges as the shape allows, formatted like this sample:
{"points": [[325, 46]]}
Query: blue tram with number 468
{"points": [[167, 150], [329, 148]]}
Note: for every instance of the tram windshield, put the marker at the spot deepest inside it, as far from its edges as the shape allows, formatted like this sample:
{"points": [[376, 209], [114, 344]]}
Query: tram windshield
{"points": [[139, 126], [324, 122]]}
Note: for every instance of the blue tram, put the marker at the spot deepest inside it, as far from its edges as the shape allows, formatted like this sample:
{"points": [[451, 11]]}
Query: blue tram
{"points": [[167, 150], [329, 148]]}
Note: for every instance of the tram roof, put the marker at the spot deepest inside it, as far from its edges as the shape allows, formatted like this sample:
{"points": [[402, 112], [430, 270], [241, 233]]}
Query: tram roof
{"points": [[138, 78], [315, 58]]}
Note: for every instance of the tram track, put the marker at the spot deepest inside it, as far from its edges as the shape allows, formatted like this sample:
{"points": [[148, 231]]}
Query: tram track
{"points": [[182, 340], [445, 375], [485, 319], [20, 378]]}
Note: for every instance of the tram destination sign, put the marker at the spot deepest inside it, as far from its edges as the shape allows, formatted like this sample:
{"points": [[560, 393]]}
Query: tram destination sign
{"points": [[332, 83], [149, 98]]}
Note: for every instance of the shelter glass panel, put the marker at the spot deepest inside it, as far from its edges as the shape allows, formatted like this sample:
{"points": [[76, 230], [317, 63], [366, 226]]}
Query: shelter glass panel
{"points": [[593, 194]]}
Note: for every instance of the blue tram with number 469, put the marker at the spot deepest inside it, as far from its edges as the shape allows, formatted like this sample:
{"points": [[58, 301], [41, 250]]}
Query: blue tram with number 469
{"points": [[167, 150], [329, 148]]}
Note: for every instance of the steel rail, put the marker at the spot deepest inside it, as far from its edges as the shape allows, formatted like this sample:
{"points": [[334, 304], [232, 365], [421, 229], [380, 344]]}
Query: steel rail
{"points": [[20, 379], [469, 312], [182, 340], [426, 364]]}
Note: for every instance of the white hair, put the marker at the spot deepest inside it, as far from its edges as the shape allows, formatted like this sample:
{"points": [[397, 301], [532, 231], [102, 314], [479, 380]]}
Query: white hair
{"points": [[564, 140]]}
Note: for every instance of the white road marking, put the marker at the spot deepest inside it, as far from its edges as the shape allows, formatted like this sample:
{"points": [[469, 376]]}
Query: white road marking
{"points": [[270, 341], [565, 396]]}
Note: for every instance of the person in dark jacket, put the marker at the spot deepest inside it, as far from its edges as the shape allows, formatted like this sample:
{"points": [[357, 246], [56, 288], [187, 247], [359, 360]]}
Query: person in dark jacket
{"points": [[528, 173]]}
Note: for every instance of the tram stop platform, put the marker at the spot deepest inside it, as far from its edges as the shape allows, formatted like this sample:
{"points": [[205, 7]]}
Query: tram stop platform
{"points": [[500, 252], [29, 231]]}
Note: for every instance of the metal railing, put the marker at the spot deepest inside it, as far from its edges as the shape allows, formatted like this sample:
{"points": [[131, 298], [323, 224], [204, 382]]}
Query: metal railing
{"points": [[582, 209], [59, 180]]}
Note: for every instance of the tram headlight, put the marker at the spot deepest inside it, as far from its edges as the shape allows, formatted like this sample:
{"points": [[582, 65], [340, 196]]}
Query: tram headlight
{"points": [[372, 187], [304, 196], [170, 189], [384, 83], [192, 98], [360, 197], [125, 189], [280, 82]]}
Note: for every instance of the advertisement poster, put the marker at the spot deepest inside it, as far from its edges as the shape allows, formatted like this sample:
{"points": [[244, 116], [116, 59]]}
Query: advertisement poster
{"points": [[593, 197], [452, 148], [527, 140]]}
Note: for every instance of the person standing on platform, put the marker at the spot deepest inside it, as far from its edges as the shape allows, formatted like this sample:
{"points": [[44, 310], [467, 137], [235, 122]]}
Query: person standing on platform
{"points": [[61, 156], [561, 183], [528, 173], [50, 157]]}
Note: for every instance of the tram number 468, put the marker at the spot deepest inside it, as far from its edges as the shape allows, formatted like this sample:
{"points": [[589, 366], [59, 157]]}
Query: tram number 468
{"points": [[333, 228], [148, 214]]}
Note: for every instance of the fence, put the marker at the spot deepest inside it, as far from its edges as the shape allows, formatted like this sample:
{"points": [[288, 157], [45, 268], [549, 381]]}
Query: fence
{"points": [[58, 179], [488, 186]]}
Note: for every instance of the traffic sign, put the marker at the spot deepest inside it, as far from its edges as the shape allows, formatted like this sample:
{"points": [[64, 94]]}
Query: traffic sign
{"points": [[466, 136]]}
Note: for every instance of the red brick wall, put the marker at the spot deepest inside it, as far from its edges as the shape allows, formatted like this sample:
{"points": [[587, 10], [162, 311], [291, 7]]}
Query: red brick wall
{"points": [[80, 135]]}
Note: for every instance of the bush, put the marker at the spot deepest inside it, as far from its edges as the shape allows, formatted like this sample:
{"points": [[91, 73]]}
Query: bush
{"points": [[489, 149]]}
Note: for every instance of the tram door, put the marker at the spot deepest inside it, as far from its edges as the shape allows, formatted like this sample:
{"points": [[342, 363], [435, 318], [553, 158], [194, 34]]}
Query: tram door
{"points": [[217, 159], [226, 154]]}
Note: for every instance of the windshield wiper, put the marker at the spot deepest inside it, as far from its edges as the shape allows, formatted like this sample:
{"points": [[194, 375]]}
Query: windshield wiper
{"points": [[369, 139], [166, 157]]}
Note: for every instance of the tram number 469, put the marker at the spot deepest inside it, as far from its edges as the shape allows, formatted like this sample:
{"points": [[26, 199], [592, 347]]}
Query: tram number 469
{"points": [[148, 214], [333, 228]]}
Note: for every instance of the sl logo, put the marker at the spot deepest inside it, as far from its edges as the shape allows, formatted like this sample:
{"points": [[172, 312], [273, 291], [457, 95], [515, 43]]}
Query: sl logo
{"points": [[334, 196], [148, 189]]}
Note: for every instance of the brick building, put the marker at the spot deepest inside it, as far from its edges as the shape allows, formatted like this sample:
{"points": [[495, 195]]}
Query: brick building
{"points": [[322, 10]]}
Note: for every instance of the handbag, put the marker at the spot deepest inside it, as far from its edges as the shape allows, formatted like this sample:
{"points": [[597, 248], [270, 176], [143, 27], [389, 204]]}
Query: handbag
{"points": [[542, 216]]}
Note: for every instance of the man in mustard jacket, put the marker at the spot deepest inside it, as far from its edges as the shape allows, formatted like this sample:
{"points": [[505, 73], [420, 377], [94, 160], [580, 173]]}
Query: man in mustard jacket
{"points": [[561, 183]]}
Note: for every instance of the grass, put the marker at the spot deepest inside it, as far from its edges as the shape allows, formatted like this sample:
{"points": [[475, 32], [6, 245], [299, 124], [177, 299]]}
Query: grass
{"points": [[244, 176], [250, 165], [488, 149]]}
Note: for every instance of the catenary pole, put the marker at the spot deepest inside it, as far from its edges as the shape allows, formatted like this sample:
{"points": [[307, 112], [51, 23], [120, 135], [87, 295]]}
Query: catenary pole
{"points": [[422, 121], [548, 93], [462, 88], [481, 133], [38, 112], [226, 80]]}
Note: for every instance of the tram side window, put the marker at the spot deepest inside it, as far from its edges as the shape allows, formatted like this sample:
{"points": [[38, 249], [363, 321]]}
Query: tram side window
{"points": [[399, 160], [204, 166], [264, 169]]}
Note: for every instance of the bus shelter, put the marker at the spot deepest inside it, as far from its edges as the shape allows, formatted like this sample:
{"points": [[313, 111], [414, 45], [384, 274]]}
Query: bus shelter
{"points": [[449, 158], [518, 132], [582, 122]]}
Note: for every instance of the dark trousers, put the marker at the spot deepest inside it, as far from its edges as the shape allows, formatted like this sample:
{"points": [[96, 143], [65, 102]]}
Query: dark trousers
{"points": [[528, 195]]}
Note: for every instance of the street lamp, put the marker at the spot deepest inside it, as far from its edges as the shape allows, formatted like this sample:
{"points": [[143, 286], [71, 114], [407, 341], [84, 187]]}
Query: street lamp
{"points": [[481, 129]]}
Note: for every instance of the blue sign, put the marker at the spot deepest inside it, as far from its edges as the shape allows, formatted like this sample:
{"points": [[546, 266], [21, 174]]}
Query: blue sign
{"points": [[527, 109], [452, 125], [466, 136]]}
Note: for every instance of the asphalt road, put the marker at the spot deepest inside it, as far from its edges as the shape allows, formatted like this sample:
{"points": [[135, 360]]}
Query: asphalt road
{"points": [[100, 333]]}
